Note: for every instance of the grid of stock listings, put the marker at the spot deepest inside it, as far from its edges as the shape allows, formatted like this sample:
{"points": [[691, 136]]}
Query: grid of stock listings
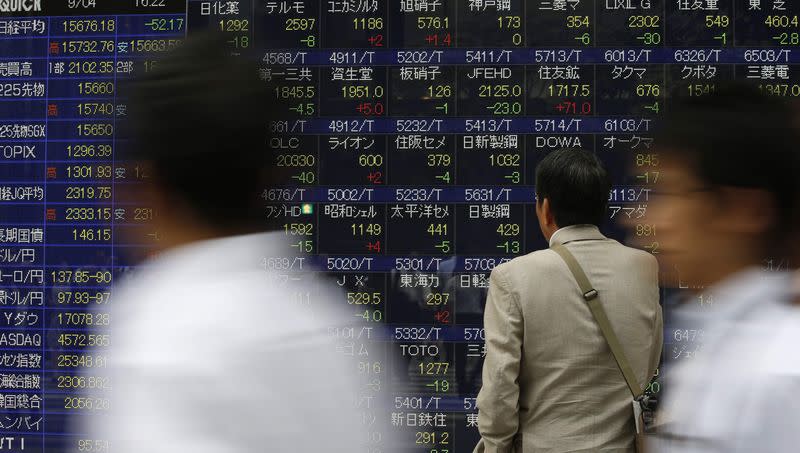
{"points": [[411, 134]]}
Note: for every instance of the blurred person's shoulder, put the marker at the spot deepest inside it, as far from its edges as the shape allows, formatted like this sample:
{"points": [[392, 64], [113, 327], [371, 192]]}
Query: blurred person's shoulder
{"points": [[235, 287], [223, 314]]}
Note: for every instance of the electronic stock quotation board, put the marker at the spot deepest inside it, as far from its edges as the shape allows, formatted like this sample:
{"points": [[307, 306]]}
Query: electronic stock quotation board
{"points": [[412, 131]]}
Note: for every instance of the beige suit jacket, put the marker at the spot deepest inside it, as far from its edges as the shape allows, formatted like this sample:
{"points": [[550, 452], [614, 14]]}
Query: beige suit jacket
{"points": [[550, 382]]}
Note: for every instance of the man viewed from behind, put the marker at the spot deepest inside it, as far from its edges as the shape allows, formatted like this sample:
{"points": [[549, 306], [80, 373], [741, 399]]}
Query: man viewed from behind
{"points": [[212, 350], [550, 382], [725, 210]]}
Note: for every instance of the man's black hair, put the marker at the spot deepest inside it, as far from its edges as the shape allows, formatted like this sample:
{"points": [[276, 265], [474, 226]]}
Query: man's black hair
{"points": [[577, 185], [737, 137], [199, 119]]}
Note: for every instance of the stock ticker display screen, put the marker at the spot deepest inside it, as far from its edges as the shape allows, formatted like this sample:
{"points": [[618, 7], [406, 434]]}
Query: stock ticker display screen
{"points": [[411, 134]]}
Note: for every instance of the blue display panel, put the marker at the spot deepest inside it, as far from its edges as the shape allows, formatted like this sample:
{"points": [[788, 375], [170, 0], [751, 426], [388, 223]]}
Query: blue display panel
{"points": [[410, 138]]}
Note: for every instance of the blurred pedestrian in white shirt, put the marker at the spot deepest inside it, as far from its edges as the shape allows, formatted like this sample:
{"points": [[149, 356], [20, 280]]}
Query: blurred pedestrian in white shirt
{"points": [[212, 353], [724, 205], [213, 350]]}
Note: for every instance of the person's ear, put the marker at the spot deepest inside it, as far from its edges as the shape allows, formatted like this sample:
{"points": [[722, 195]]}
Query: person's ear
{"points": [[745, 211], [547, 213]]}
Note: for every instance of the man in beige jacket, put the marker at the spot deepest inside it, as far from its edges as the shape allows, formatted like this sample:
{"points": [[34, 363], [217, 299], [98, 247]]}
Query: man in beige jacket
{"points": [[550, 382]]}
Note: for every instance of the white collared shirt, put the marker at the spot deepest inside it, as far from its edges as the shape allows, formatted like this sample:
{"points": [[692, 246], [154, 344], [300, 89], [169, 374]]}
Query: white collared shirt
{"points": [[740, 392], [212, 353]]}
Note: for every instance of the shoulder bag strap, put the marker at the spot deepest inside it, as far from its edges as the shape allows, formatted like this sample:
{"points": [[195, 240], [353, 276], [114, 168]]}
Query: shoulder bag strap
{"points": [[599, 313]]}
